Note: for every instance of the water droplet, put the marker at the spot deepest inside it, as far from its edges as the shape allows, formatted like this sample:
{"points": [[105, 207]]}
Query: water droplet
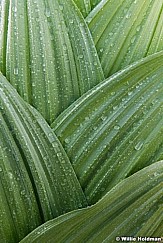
{"points": [[130, 93], [103, 118], [116, 127], [71, 21], [115, 107], [67, 140], [111, 33], [81, 24], [155, 174], [1, 169], [133, 39], [47, 12], [22, 192], [16, 71], [87, 118], [113, 93], [80, 56], [61, 6], [10, 175], [138, 146], [138, 28], [128, 15]]}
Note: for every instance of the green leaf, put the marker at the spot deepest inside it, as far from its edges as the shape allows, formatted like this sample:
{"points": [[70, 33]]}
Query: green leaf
{"points": [[84, 6], [47, 53], [4, 8], [31, 153], [136, 199], [125, 31], [94, 3], [115, 129], [18, 206]]}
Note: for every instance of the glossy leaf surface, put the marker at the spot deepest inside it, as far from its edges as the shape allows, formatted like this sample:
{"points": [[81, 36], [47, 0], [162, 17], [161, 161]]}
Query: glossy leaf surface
{"points": [[116, 128], [125, 31], [34, 165], [47, 53], [136, 199]]}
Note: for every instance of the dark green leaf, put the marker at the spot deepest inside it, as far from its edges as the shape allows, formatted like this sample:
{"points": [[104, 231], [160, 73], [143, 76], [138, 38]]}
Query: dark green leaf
{"points": [[32, 162]]}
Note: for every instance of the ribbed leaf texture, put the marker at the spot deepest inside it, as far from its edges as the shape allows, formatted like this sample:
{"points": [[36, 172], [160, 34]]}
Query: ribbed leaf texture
{"points": [[125, 31], [37, 179], [81, 125], [116, 128], [137, 199], [50, 57]]}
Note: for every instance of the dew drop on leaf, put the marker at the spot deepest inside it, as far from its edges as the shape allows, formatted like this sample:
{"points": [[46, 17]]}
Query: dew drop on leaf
{"points": [[71, 21], [47, 12], [138, 146], [117, 127], [61, 7], [16, 71]]}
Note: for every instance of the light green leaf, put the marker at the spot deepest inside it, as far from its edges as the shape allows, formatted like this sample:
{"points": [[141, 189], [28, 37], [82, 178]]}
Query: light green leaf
{"points": [[84, 6], [47, 53], [30, 148], [125, 31], [115, 129], [136, 199]]}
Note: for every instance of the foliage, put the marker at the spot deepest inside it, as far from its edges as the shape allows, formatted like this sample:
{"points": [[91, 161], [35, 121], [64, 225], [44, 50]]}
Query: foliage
{"points": [[81, 120]]}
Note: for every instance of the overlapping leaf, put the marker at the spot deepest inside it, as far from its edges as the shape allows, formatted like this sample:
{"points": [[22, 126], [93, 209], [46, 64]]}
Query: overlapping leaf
{"points": [[84, 6], [94, 3], [125, 31], [19, 211], [116, 128], [35, 172], [47, 53], [137, 199]]}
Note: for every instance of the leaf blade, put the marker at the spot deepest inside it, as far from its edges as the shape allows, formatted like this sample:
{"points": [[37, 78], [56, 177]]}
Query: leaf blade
{"points": [[117, 120], [38, 151], [109, 217], [121, 32], [44, 48]]}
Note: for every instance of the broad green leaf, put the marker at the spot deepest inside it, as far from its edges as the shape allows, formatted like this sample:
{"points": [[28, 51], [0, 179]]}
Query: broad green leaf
{"points": [[47, 53], [115, 129], [19, 211], [84, 6], [29, 147], [125, 31], [124, 211]]}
